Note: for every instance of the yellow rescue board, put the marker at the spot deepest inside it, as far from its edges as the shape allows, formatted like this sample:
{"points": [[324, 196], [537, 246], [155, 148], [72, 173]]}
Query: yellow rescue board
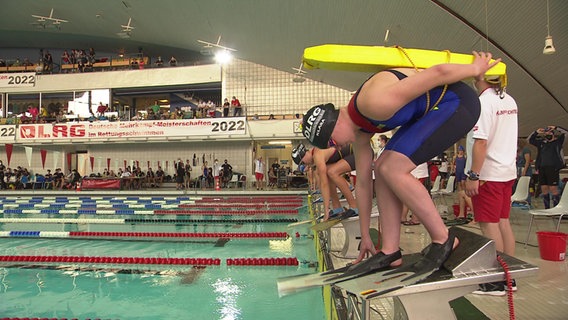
{"points": [[377, 58]]}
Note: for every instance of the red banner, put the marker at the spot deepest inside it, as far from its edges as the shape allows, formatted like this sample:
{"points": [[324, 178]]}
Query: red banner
{"points": [[43, 155], [92, 159], [69, 155], [100, 184], [108, 163], [9, 148]]}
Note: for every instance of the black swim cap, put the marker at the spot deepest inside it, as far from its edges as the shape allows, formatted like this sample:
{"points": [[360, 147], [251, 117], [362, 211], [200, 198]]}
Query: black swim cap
{"points": [[298, 153], [318, 124]]}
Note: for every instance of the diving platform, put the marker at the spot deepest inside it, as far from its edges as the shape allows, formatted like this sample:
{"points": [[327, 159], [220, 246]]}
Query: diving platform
{"points": [[473, 262]]}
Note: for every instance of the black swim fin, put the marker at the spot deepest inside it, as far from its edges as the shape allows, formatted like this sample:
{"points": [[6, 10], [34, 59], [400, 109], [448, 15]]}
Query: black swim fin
{"points": [[297, 283], [376, 263], [434, 256], [333, 221]]}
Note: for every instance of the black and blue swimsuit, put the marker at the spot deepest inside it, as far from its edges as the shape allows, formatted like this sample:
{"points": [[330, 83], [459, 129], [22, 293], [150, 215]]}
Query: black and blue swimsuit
{"points": [[425, 133]]}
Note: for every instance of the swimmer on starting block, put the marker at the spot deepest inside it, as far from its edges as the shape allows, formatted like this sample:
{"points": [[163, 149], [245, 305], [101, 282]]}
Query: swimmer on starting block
{"points": [[432, 109], [330, 165]]}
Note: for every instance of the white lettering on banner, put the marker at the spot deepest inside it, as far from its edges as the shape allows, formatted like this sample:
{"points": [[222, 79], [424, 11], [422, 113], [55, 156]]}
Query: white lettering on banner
{"points": [[27, 79], [165, 128]]}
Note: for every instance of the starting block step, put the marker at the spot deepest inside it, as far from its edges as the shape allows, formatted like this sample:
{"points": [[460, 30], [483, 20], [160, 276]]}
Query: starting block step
{"points": [[473, 262], [353, 235]]}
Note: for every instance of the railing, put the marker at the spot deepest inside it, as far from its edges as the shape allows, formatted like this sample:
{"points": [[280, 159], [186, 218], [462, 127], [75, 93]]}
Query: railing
{"points": [[22, 68], [113, 63]]}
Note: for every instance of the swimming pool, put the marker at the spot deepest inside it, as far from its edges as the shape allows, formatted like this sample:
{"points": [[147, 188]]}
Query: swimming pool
{"points": [[134, 289]]}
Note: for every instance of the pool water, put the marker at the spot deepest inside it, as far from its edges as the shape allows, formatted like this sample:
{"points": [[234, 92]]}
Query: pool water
{"points": [[157, 291]]}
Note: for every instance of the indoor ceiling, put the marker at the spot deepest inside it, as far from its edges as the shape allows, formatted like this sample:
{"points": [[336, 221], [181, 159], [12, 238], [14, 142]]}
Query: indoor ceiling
{"points": [[275, 32]]}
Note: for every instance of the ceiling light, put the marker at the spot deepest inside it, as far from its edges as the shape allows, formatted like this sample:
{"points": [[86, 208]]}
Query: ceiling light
{"points": [[299, 75], [223, 57], [280, 142], [206, 51], [210, 48], [548, 46]]}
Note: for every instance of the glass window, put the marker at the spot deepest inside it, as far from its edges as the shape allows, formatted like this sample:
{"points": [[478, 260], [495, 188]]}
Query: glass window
{"points": [[86, 103], [53, 103], [18, 104]]}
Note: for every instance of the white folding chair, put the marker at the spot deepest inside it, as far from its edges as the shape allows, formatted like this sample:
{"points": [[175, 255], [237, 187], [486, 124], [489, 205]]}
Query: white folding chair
{"points": [[435, 191], [522, 192], [436, 186], [558, 211], [448, 190], [234, 181]]}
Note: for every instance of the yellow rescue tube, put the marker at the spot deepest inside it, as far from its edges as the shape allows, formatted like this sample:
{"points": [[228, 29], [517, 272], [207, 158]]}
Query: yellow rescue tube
{"points": [[377, 58]]}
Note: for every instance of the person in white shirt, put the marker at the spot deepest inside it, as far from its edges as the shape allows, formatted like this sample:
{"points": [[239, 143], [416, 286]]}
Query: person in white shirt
{"points": [[216, 170], [125, 177], [492, 146], [259, 173]]}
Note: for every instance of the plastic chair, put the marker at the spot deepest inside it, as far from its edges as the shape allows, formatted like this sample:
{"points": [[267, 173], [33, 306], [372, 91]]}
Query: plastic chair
{"points": [[558, 211], [39, 182], [435, 191], [436, 186], [449, 189], [522, 192], [234, 181]]}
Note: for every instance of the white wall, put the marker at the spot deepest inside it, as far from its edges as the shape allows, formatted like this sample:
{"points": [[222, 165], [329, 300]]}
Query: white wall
{"points": [[123, 79]]}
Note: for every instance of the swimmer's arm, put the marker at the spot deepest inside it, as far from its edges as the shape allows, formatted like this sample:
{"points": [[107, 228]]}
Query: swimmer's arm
{"points": [[321, 169], [364, 190]]}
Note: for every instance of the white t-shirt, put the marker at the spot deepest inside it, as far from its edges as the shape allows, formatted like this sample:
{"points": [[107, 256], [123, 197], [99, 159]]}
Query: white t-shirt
{"points": [[498, 125], [258, 166], [216, 168], [443, 166]]}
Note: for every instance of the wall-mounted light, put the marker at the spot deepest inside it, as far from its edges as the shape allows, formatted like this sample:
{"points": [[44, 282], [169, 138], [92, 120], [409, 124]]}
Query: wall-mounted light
{"points": [[280, 142]]}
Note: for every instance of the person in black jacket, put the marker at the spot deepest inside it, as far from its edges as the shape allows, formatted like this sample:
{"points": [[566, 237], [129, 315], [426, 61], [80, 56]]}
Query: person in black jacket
{"points": [[549, 161]]}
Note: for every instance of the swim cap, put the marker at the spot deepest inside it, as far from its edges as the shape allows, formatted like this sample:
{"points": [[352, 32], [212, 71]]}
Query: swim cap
{"points": [[461, 148], [298, 153], [318, 124]]}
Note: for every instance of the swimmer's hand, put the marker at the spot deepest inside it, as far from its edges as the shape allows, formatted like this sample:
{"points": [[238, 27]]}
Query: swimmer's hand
{"points": [[366, 249], [482, 61]]}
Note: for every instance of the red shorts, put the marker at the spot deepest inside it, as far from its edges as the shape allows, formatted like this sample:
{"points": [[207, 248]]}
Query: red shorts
{"points": [[493, 201], [259, 176]]}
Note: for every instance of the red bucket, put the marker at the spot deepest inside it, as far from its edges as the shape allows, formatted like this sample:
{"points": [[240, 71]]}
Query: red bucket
{"points": [[552, 245]]}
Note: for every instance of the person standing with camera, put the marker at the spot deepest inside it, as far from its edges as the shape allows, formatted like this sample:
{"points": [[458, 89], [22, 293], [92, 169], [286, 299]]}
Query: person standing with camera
{"points": [[549, 161]]}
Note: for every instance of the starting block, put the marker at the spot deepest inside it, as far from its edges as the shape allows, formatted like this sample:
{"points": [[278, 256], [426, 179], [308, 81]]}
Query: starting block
{"points": [[353, 235], [473, 262]]}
